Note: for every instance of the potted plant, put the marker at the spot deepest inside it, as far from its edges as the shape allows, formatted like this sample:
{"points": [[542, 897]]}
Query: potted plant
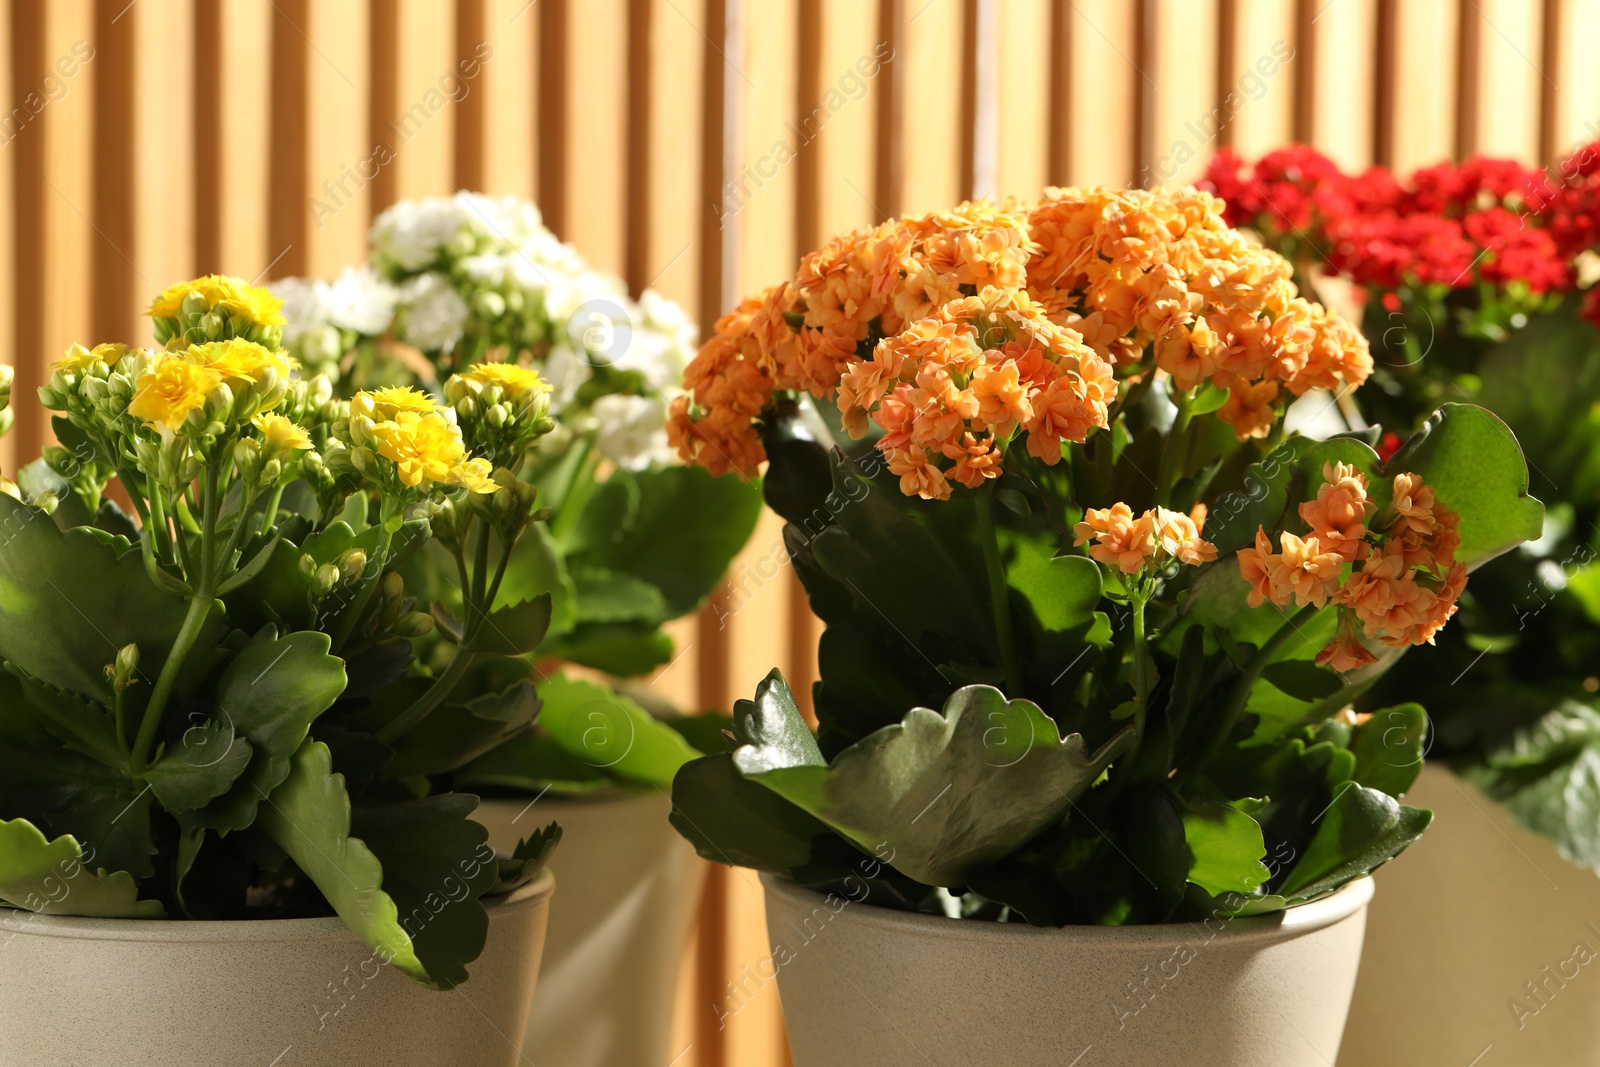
{"points": [[1473, 277], [221, 829], [635, 540], [1093, 622]]}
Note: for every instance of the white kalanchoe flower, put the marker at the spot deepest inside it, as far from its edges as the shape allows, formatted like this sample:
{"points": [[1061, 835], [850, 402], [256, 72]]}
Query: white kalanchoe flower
{"points": [[359, 300], [433, 315], [631, 431], [306, 305]]}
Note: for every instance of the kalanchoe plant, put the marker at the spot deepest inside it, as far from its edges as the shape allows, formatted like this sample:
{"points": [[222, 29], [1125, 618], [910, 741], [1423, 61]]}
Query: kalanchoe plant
{"points": [[468, 284], [1495, 305], [1093, 622], [213, 708]]}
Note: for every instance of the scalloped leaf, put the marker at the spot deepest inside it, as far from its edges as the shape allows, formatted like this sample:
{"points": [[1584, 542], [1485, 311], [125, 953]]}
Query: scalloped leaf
{"points": [[947, 791], [609, 732], [48, 876], [68, 602], [308, 816], [269, 696]]}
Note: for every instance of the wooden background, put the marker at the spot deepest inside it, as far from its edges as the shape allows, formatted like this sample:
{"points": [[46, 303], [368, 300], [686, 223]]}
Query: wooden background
{"points": [[698, 146]]}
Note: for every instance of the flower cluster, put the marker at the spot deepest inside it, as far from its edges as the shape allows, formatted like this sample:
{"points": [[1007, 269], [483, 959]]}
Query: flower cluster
{"points": [[407, 445], [1391, 571], [501, 408], [469, 278], [217, 308], [1151, 541], [1485, 220], [956, 332]]}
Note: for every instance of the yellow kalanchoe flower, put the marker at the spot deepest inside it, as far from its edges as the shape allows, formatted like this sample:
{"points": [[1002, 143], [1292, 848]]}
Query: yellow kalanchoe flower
{"points": [[235, 359], [234, 296], [512, 379], [279, 435], [167, 394], [78, 359], [425, 447], [382, 405]]}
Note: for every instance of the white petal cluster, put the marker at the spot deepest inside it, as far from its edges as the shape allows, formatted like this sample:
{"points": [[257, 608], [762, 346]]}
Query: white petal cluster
{"points": [[465, 276]]}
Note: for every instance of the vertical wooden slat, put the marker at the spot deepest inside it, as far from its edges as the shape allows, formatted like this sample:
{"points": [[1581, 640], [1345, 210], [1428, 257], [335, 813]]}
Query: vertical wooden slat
{"points": [[8, 232], [1424, 108], [1384, 102], [1510, 81], [1577, 107], [470, 130], [980, 99], [1346, 67], [413, 56], [1186, 114], [888, 188], [930, 124], [1469, 89], [1551, 28], [596, 128], [52, 197], [164, 178], [719, 30], [501, 108], [1107, 86], [1261, 76], [1058, 166], [237, 82], [552, 116], [1024, 80], [1305, 69], [114, 287]]}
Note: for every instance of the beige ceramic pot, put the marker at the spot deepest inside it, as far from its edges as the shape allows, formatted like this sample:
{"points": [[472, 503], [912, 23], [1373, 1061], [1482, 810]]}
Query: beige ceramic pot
{"points": [[629, 887], [862, 984], [284, 993], [1483, 947]]}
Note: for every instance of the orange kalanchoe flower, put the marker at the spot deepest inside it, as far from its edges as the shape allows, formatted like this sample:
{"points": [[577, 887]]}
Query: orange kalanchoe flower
{"points": [[957, 331], [1404, 584], [1154, 538]]}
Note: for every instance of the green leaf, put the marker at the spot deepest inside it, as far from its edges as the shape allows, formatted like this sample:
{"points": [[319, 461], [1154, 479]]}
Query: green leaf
{"points": [[201, 767], [773, 731], [456, 734], [1227, 847], [75, 722], [308, 816], [68, 602], [731, 819], [609, 732], [624, 650], [1361, 830], [688, 527], [269, 696], [606, 595], [527, 859], [537, 567], [1389, 748], [436, 864], [947, 791], [1476, 469], [531, 763], [50, 877], [515, 630]]}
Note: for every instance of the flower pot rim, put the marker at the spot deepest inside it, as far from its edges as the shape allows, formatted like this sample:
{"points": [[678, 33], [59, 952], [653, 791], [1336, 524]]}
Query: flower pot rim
{"points": [[1291, 922], [230, 931]]}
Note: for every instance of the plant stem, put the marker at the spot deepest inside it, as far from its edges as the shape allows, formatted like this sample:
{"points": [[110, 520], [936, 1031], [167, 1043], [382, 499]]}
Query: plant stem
{"points": [[442, 686], [193, 621], [999, 592], [271, 511], [578, 493], [1175, 452], [1240, 695]]}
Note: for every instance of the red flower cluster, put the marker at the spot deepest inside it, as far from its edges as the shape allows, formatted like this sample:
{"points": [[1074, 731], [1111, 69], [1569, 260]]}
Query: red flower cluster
{"points": [[1452, 225]]}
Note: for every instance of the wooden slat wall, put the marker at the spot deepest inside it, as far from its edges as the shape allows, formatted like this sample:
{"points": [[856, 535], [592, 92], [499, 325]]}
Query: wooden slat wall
{"points": [[697, 146]]}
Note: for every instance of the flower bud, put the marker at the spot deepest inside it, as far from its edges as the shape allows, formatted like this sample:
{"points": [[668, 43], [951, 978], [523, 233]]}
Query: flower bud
{"points": [[351, 564], [393, 585], [326, 578], [413, 624]]}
